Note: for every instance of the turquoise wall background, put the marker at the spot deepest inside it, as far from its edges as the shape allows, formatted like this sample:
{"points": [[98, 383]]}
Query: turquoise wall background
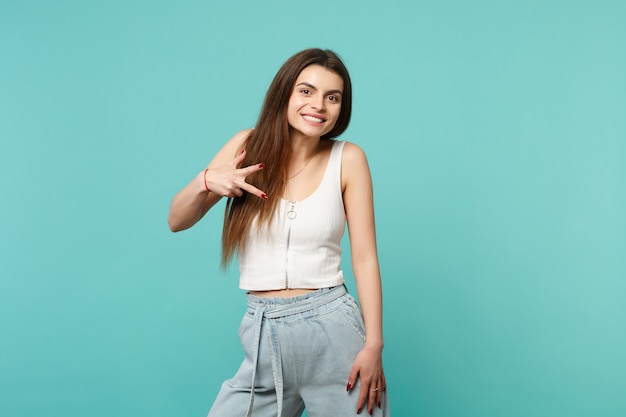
{"points": [[496, 133]]}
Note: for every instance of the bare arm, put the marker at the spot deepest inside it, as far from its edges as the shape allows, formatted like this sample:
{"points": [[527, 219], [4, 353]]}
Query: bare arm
{"points": [[224, 178], [359, 205]]}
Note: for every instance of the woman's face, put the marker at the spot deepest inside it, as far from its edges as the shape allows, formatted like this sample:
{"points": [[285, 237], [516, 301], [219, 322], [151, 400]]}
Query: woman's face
{"points": [[315, 102]]}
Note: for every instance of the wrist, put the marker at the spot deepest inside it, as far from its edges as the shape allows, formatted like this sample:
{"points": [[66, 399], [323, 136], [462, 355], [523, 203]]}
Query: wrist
{"points": [[202, 182], [206, 186], [374, 344]]}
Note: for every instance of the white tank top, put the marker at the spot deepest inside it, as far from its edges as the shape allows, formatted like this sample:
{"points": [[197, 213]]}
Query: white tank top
{"points": [[301, 248]]}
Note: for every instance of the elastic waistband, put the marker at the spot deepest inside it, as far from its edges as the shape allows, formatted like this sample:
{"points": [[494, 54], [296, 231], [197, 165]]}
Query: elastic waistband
{"points": [[281, 307]]}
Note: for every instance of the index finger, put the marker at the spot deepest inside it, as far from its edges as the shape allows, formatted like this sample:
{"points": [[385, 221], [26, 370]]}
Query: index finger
{"points": [[251, 169]]}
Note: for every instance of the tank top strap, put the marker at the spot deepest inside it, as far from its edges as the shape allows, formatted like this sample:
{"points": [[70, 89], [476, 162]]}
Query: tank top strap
{"points": [[334, 163]]}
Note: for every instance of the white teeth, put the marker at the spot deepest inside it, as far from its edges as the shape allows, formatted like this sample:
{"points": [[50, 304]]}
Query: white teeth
{"points": [[313, 119]]}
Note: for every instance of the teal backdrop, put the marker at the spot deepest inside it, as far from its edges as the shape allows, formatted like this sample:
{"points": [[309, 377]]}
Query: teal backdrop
{"points": [[496, 135]]}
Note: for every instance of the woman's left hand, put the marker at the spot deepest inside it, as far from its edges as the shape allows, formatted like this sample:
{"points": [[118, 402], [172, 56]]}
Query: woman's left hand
{"points": [[368, 366]]}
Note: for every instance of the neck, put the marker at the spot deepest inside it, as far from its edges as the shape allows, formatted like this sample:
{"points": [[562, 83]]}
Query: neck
{"points": [[303, 148], [302, 152]]}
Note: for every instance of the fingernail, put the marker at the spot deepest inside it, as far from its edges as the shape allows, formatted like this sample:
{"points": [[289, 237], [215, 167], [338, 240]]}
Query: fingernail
{"points": [[358, 412], [349, 386], [371, 412], [379, 404], [261, 165], [264, 196]]}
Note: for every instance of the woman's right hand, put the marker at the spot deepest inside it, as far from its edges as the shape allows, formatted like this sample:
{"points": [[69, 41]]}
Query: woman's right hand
{"points": [[230, 181], [222, 177]]}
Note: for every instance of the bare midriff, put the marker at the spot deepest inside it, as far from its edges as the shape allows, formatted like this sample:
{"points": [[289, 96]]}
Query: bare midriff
{"points": [[286, 293]]}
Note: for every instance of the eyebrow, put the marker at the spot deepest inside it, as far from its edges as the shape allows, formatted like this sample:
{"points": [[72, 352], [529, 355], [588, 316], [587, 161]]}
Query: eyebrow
{"points": [[304, 83]]}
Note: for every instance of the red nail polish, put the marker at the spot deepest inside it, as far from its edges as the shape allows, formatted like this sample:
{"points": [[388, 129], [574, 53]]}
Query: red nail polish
{"points": [[261, 165], [264, 196], [379, 404], [349, 386], [371, 412], [358, 412]]}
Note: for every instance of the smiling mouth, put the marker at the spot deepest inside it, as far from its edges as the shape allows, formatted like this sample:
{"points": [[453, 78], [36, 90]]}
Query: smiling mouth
{"points": [[313, 119]]}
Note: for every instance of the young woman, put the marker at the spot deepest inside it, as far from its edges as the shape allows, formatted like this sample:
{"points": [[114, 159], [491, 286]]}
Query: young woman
{"points": [[291, 188]]}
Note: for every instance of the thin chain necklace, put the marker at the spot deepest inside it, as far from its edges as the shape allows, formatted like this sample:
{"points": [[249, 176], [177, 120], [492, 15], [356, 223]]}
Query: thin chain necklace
{"points": [[305, 164]]}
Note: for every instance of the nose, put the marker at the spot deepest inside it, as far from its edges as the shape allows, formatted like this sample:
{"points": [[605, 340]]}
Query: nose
{"points": [[318, 103]]}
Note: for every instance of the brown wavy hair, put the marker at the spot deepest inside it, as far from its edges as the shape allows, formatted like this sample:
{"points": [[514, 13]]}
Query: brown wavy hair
{"points": [[270, 142]]}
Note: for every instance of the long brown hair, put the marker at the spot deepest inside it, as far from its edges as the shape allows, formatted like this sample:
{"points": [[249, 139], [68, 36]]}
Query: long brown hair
{"points": [[269, 143]]}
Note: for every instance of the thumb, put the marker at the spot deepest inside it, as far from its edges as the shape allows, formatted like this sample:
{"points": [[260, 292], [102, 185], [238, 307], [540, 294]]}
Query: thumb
{"points": [[239, 158]]}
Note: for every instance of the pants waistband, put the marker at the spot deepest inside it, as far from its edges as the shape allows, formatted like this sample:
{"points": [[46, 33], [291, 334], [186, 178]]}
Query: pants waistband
{"points": [[281, 307]]}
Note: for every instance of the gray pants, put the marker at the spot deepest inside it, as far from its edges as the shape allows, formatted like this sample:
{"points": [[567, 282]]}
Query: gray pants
{"points": [[299, 352]]}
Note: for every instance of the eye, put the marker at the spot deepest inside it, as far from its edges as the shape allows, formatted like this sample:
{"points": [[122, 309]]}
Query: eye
{"points": [[334, 99], [305, 91]]}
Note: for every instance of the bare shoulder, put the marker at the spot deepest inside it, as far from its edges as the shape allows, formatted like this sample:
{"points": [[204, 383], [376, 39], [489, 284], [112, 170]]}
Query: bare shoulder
{"points": [[237, 141], [353, 156], [354, 166], [231, 148]]}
